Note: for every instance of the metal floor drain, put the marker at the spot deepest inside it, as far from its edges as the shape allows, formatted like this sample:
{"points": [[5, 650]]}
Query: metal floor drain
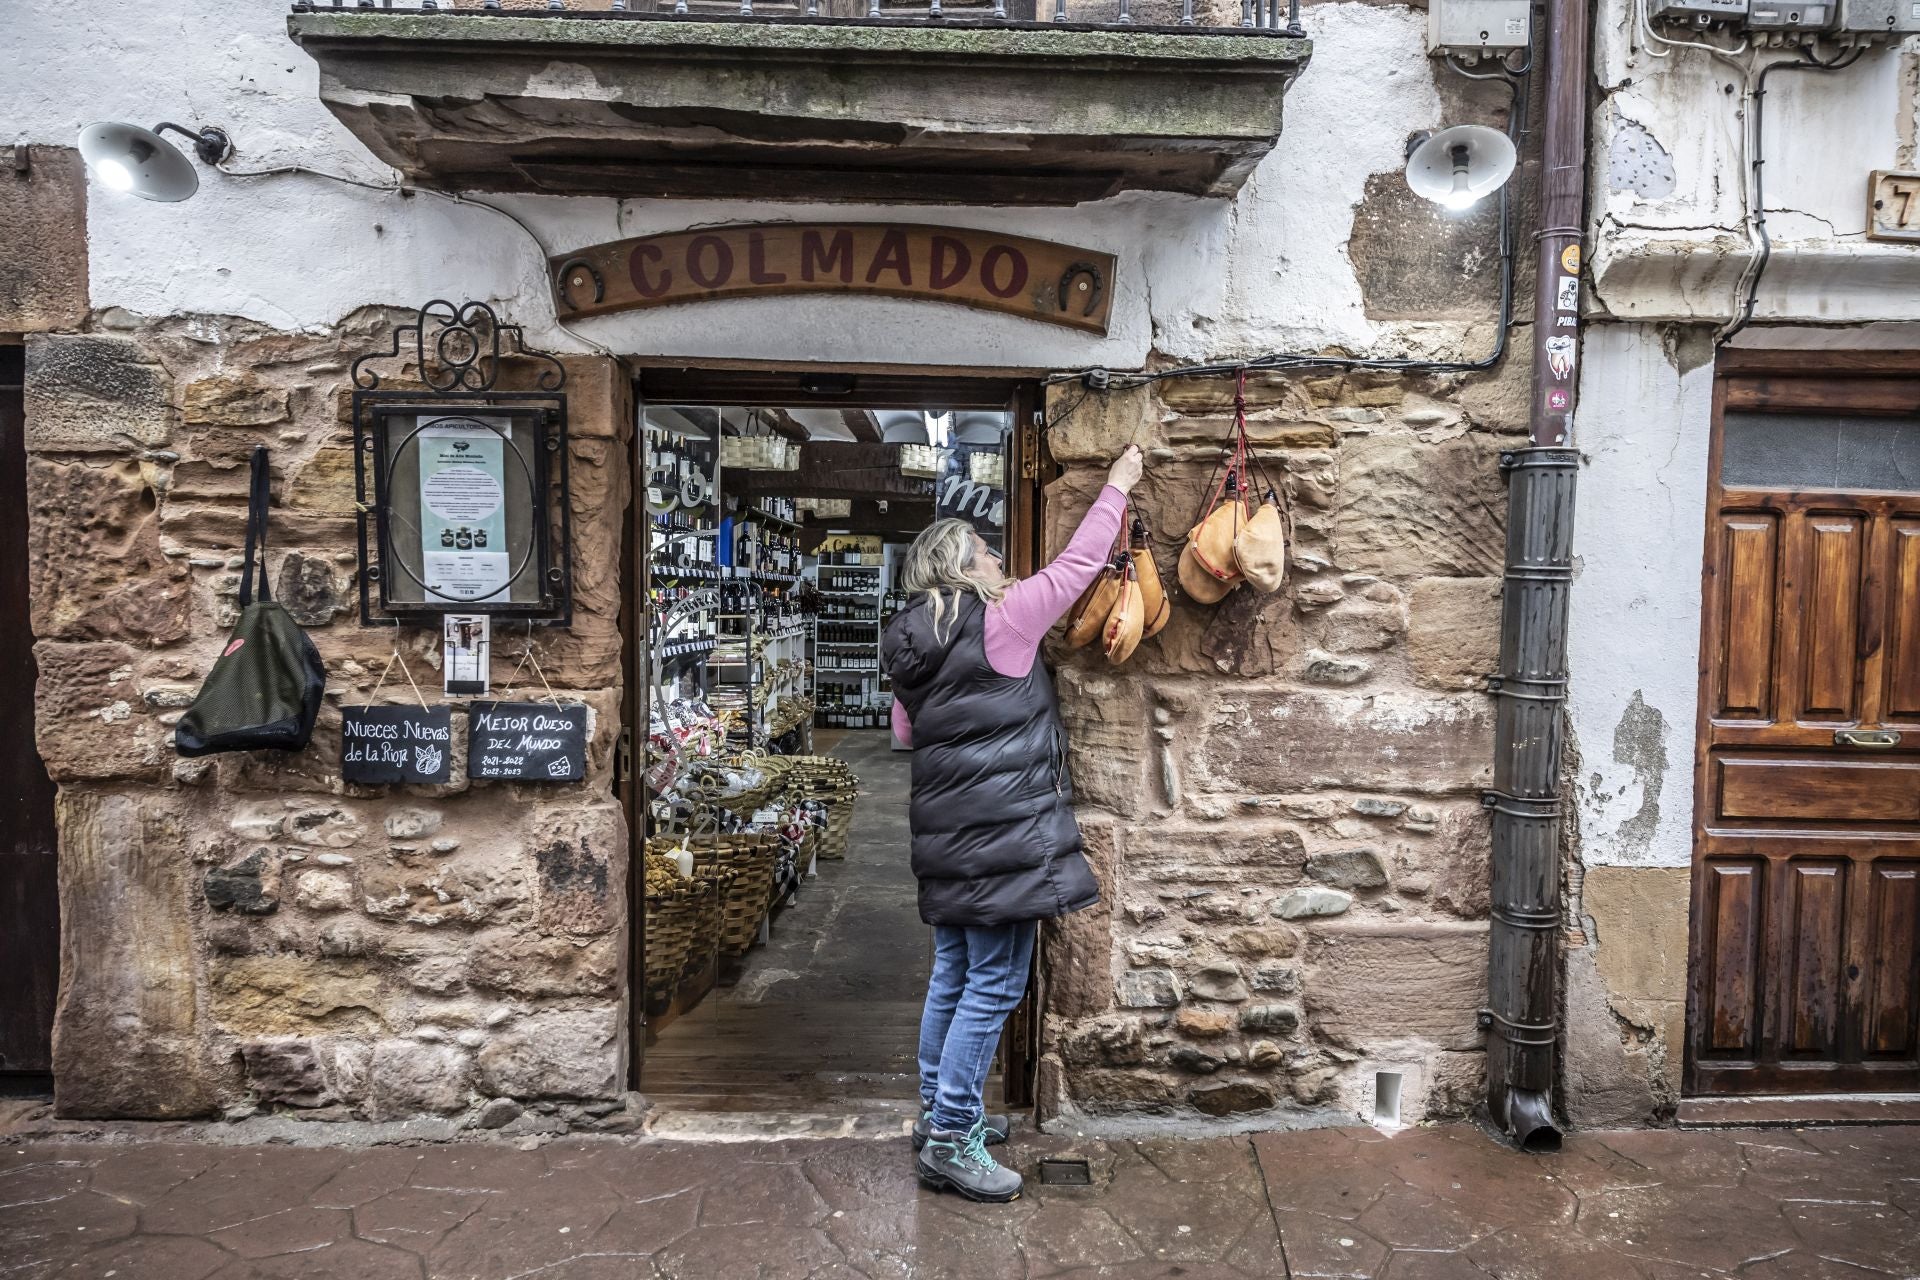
{"points": [[1065, 1173]]}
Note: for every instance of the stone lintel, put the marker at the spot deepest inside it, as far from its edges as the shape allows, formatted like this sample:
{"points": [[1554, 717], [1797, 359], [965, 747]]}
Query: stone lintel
{"points": [[1025, 114]]}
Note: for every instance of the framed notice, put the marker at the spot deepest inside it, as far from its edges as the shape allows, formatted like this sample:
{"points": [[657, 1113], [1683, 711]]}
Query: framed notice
{"points": [[526, 741], [463, 517], [381, 745], [466, 513]]}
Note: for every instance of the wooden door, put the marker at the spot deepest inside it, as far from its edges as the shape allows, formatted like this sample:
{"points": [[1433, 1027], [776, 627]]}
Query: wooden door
{"points": [[1806, 887], [29, 898]]}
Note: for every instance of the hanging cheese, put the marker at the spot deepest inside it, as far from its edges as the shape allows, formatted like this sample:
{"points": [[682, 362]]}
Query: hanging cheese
{"points": [[1101, 598], [1121, 635], [1260, 549]]}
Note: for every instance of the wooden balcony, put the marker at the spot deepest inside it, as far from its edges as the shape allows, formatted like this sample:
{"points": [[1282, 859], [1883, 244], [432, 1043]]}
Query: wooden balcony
{"points": [[703, 106]]}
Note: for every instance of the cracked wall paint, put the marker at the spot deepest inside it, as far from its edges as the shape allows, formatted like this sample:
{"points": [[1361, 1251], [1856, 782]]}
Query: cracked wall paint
{"points": [[1676, 251], [1198, 278], [1637, 162], [1640, 744]]}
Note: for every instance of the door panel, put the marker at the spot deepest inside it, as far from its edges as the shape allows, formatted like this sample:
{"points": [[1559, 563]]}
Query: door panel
{"points": [[1805, 954], [1831, 613], [1814, 937], [1902, 701], [1734, 927], [1818, 790], [1893, 962], [1749, 546]]}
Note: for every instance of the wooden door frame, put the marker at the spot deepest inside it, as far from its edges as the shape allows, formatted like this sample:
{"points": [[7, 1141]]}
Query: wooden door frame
{"points": [[723, 383], [1856, 383]]}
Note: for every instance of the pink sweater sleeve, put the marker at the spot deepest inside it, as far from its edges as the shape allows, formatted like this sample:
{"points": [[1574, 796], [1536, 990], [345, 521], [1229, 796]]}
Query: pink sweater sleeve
{"points": [[1014, 627]]}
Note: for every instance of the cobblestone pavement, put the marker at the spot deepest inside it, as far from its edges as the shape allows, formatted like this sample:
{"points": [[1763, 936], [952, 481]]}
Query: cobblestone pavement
{"points": [[1423, 1205]]}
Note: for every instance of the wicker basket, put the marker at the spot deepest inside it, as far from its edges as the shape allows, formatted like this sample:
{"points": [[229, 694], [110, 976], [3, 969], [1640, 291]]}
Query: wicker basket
{"points": [[833, 840], [710, 893], [750, 859], [670, 932]]}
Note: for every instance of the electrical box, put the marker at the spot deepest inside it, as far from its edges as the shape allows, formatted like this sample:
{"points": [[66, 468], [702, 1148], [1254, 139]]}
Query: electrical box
{"points": [[1699, 13], [1790, 15], [1880, 17], [1475, 27]]}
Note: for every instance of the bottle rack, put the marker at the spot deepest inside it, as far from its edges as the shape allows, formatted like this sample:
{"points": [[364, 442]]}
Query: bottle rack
{"points": [[850, 691]]}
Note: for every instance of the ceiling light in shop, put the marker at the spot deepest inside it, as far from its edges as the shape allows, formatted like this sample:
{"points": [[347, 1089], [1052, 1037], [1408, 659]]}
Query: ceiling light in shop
{"points": [[902, 426]]}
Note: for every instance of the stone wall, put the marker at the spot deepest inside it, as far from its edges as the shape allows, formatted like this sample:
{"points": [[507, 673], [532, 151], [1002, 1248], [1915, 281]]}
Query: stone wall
{"points": [[1281, 793], [247, 931]]}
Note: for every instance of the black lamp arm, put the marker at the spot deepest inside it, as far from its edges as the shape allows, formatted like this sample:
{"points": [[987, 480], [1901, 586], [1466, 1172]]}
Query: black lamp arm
{"points": [[210, 144]]}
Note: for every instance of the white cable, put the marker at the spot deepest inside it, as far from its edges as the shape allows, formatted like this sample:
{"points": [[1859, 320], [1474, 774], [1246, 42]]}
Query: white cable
{"points": [[400, 188], [1745, 59]]}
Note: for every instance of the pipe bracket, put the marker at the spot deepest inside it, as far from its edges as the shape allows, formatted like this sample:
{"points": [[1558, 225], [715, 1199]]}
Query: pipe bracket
{"points": [[1513, 1032]]}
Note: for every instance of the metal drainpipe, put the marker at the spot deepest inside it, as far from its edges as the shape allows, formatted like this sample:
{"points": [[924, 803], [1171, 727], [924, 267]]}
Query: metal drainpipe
{"points": [[1523, 1015]]}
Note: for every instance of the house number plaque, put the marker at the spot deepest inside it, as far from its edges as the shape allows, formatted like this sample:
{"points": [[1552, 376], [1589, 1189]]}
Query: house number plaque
{"points": [[1052, 283]]}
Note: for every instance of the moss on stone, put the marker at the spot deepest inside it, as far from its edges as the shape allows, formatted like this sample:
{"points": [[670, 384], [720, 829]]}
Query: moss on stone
{"points": [[917, 39]]}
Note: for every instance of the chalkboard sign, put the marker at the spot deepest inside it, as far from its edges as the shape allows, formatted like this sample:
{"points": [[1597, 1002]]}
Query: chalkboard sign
{"points": [[396, 744], [527, 741]]}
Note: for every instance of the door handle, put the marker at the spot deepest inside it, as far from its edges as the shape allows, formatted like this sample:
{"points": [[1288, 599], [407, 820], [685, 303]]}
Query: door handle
{"points": [[1881, 738]]}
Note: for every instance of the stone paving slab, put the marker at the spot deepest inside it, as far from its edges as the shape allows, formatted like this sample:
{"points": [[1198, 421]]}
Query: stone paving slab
{"points": [[1656, 1204], [1430, 1204]]}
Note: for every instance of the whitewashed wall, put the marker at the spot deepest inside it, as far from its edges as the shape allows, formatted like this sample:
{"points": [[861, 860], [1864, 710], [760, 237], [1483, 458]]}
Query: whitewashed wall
{"points": [[1635, 630], [1199, 278], [1667, 174]]}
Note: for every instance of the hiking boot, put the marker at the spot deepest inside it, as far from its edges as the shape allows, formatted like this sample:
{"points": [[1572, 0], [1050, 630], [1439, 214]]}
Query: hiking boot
{"points": [[997, 1129], [960, 1161]]}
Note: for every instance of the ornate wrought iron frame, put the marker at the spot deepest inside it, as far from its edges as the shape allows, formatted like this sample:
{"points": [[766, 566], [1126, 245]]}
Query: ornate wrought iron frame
{"points": [[456, 354]]}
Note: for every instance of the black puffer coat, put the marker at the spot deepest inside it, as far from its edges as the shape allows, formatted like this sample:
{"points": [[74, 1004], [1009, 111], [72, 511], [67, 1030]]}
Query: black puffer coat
{"points": [[994, 840]]}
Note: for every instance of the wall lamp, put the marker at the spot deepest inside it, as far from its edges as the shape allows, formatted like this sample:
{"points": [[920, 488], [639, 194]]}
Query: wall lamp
{"points": [[1455, 167], [125, 157]]}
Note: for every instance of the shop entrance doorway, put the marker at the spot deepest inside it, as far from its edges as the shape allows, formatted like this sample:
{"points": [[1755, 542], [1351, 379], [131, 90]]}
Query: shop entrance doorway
{"points": [[779, 960], [1806, 884]]}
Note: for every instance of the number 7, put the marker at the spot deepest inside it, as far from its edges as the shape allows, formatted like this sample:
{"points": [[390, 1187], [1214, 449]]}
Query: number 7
{"points": [[1905, 193]]}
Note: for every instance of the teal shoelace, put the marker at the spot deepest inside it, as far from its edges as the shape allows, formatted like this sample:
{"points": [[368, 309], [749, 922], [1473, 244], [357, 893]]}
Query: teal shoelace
{"points": [[974, 1150]]}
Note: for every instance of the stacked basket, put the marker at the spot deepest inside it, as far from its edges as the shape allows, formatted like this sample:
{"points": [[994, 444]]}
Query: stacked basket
{"points": [[710, 893], [834, 784], [749, 858], [672, 924]]}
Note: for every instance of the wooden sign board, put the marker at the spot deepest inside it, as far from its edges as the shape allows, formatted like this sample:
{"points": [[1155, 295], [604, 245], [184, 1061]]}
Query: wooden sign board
{"points": [[381, 745], [1053, 283], [526, 741], [1893, 205]]}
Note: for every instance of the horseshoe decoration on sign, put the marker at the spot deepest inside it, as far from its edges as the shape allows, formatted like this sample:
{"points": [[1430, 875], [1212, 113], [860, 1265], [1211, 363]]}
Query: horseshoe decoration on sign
{"points": [[568, 275], [1093, 284]]}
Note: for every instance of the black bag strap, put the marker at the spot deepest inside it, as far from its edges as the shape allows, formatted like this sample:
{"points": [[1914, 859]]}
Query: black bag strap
{"points": [[257, 494]]}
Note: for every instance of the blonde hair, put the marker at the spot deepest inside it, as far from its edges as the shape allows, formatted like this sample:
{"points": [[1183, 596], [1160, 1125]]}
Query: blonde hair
{"points": [[937, 563]]}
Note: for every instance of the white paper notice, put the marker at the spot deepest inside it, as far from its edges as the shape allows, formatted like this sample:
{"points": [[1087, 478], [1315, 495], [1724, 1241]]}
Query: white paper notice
{"points": [[463, 527]]}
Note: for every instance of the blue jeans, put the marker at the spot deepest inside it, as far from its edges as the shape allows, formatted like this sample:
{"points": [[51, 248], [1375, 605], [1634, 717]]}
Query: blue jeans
{"points": [[979, 975]]}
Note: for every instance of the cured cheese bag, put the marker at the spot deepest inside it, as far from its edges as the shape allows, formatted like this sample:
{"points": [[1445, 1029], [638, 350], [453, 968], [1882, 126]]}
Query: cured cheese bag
{"points": [[1260, 548], [1154, 606], [1097, 606], [1121, 635]]}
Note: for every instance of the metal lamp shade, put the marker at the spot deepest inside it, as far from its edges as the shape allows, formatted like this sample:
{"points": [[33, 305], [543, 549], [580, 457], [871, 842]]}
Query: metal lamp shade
{"points": [[1489, 156], [129, 158], [903, 426], [979, 427]]}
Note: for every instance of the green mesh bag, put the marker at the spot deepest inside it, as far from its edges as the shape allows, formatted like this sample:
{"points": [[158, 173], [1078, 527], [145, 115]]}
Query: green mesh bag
{"points": [[264, 691]]}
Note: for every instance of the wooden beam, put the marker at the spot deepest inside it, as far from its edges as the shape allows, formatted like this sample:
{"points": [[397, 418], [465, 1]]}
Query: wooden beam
{"points": [[831, 469], [899, 522]]}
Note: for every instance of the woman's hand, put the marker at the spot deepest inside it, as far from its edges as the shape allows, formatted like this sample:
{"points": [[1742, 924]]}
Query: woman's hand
{"points": [[1125, 471]]}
